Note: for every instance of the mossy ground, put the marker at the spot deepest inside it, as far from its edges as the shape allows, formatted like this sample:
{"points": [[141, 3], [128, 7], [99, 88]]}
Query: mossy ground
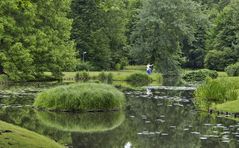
{"points": [[16, 137]]}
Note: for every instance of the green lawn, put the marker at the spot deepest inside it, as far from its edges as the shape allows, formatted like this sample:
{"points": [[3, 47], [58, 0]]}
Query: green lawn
{"points": [[16, 137], [231, 106], [117, 75]]}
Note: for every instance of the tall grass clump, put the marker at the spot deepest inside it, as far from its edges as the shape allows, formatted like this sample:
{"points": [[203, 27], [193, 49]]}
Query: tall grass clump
{"points": [[81, 97], [139, 79], [216, 91]]}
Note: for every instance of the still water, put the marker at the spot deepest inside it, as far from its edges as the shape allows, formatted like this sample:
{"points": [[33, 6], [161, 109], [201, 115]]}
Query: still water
{"points": [[152, 119]]}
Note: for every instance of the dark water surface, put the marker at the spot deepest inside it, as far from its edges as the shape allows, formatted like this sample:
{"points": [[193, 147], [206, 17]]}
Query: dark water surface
{"points": [[152, 119]]}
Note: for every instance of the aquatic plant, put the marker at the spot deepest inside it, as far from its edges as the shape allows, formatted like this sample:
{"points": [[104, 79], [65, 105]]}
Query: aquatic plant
{"points": [[81, 97], [84, 122], [216, 91]]}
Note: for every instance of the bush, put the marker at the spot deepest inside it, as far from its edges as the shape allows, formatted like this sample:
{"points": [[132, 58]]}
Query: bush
{"points": [[219, 60], [117, 67], [4, 77], [89, 122], [105, 78], [81, 97], [216, 91], [233, 70], [82, 76], [84, 66], [200, 75], [139, 79]]}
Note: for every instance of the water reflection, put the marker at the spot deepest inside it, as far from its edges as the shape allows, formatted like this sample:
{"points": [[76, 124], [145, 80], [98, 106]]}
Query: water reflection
{"points": [[82, 122], [165, 118], [174, 80]]}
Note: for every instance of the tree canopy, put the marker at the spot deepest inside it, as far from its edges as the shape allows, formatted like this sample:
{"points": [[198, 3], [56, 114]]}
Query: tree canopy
{"points": [[162, 26]]}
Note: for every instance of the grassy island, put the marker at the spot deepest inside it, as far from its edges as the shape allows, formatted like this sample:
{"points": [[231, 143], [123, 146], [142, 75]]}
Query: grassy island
{"points": [[81, 97]]}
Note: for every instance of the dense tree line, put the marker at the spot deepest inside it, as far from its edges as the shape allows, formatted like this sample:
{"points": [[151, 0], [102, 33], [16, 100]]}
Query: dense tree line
{"points": [[54, 36], [35, 38]]}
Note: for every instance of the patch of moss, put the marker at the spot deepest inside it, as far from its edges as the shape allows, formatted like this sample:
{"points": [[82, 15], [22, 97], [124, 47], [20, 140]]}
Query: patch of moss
{"points": [[17, 137]]}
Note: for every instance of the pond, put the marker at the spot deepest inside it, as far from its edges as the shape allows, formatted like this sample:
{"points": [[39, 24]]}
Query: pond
{"points": [[153, 118]]}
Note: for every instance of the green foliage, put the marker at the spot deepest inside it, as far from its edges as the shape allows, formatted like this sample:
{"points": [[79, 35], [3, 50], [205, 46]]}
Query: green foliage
{"points": [[105, 78], [162, 26], [81, 97], [34, 38], [223, 37], [82, 76], [84, 66], [233, 70], [139, 79], [3, 78], [99, 29], [200, 75], [117, 67], [216, 91], [84, 123], [219, 60]]}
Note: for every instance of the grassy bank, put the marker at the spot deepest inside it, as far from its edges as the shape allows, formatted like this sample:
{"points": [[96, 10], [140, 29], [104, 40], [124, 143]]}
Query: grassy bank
{"points": [[16, 137], [218, 91], [81, 97], [230, 106]]}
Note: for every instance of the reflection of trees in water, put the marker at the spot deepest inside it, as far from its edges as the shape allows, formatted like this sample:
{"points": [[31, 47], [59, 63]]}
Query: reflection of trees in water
{"points": [[179, 117]]}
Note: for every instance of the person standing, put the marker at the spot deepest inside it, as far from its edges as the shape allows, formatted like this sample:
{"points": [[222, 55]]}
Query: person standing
{"points": [[149, 69]]}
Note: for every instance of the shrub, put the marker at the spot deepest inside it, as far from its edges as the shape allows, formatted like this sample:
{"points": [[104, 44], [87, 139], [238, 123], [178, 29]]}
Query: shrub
{"points": [[89, 122], [139, 79], [84, 66], [200, 75], [117, 67], [105, 78], [81, 97], [233, 70], [4, 77], [219, 60], [216, 91], [84, 76]]}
